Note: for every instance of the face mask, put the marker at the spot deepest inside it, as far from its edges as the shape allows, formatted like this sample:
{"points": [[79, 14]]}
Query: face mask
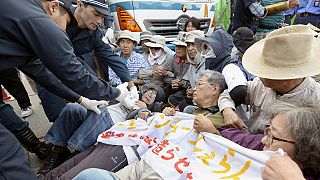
{"points": [[209, 54], [205, 53], [157, 55]]}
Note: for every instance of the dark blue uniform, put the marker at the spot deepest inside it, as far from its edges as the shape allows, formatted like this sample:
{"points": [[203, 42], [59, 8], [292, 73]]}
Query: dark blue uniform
{"points": [[85, 41], [308, 12]]}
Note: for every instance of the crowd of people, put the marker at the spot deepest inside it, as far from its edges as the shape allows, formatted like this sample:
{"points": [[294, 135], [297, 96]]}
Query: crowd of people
{"points": [[254, 84]]}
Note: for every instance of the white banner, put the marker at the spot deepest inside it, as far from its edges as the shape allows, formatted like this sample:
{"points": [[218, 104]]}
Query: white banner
{"points": [[180, 152]]}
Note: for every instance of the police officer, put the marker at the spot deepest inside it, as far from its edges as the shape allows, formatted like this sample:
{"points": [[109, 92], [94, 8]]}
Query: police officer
{"points": [[308, 12], [28, 33], [87, 37]]}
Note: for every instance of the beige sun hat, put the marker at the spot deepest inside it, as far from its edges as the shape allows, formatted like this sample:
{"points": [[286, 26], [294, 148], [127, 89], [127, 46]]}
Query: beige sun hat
{"points": [[127, 35], [290, 52], [145, 35], [157, 41], [194, 34], [181, 39]]}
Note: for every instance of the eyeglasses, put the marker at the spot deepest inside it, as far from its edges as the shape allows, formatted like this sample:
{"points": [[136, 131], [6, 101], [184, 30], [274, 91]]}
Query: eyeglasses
{"points": [[270, 137]]}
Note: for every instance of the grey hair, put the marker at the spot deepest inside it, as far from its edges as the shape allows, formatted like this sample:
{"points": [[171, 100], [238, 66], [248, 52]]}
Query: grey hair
{"points": [[215, 77], [303, 121]]}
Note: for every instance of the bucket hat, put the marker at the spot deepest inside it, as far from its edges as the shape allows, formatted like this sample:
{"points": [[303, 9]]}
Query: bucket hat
{"points": [[290, 52]]}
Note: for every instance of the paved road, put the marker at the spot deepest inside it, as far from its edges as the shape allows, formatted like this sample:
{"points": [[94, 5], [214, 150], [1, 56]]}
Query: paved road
{"points": [[38, 122]]}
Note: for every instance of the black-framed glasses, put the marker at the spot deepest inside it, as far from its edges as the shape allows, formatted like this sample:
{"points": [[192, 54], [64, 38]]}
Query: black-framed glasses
{"points": [[270, 137]]}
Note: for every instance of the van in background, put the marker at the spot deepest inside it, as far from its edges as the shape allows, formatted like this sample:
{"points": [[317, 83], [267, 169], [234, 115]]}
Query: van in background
{"points": [[161, 17]]}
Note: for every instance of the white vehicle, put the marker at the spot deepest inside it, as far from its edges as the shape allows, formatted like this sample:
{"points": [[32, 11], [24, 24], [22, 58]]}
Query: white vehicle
{"points": [[161, 17]]}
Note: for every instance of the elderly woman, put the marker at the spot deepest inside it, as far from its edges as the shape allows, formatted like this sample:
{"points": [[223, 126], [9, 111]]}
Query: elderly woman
{"points": [[295, 129]]}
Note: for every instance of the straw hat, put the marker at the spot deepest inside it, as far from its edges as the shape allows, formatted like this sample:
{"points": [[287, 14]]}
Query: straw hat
{"points": [[181, 39], [157, 41], [127, 35], [145, 35], [194, 34], [290, 52]]}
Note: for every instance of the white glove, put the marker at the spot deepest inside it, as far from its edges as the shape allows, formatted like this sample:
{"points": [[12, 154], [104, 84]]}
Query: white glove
{"points": [[123, 91], [134, 92], [92, 105], [130, 102]]}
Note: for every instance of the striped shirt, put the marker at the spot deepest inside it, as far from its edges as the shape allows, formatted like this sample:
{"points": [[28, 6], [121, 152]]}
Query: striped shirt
{"points": [[134, 63]]}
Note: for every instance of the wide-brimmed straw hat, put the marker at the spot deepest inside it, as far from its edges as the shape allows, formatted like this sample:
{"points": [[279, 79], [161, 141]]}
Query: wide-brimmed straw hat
{"points": [[290, 52], [181, 39], [157, 41]]}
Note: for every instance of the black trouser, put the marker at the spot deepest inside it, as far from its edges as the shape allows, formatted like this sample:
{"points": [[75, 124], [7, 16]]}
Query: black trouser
{"points": [[11, 81], [13, 162], [102, 156]]}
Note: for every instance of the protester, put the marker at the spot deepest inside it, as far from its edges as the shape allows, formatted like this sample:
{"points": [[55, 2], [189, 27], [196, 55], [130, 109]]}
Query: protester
{"points": [[134, 61], [190, 78], [207, 94], [77, 129], [216, 49], [243, 38], [158, 55], [282, 63], [174, 69], [145, 37], [281, 167], [292, 128]]}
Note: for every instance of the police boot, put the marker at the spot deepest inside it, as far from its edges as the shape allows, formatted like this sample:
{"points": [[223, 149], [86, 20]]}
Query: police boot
{"points": [[30, 142], [58, 156]]}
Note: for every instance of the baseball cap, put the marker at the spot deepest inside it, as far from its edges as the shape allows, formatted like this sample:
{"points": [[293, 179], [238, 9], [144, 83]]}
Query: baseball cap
{"points": [[67, 4], [99, 5], [243, 38]]}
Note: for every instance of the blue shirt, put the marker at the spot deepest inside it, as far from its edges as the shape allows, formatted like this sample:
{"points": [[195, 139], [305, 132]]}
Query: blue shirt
{"points": [[134, 63], [310, 6]]}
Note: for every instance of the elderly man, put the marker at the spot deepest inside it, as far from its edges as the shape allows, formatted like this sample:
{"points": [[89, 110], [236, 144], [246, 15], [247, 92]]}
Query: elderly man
{"points": [[190, 78], [174, 69], [134, 61], [207, 91], [282, 63], [292, 128]]}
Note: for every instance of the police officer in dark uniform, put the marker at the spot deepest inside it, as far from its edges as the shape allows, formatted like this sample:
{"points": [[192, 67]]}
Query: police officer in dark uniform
{"points": [[87, 38], [308, 12], [27, 33]]}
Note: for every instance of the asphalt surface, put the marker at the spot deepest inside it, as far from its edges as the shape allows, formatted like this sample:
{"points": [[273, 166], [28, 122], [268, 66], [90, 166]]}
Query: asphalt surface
{"points": [[38, 122]]}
